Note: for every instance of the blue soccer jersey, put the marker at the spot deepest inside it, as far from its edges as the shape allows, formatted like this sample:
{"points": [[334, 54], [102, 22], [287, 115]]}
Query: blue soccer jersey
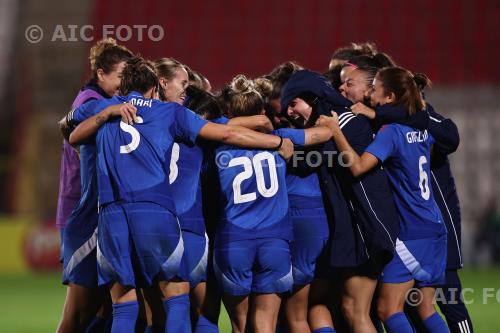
{"points": [[254, 191], [405, 152], [184, 179], [133, 160]]}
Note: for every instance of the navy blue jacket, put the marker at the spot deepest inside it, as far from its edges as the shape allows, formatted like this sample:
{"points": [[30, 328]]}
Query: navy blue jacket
{"points": [[364, 218]]}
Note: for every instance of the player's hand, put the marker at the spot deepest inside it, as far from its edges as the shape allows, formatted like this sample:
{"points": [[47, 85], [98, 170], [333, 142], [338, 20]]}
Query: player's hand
{"points": [[127, 111], [265, 125], [286, 150], [360, 108], [330, 122]]}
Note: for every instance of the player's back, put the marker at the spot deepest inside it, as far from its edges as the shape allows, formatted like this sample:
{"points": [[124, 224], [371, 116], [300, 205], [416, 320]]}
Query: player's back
{"points": [[408, 169], [133, 160], [303, 190], [184, 179], [254, 193]]}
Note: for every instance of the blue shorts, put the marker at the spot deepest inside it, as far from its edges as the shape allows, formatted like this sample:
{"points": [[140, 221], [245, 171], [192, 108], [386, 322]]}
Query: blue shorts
{"points": [[422, 260], [253, 266], [79, 259], [310, 236], [194, 261], [138, 243]]}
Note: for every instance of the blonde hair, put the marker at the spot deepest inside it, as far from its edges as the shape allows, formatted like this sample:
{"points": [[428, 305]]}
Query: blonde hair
{"points": [[242, 98], [166, 67]]}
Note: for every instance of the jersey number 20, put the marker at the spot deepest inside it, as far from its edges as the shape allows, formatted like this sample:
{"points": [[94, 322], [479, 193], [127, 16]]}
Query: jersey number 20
{"points": [[249, 167], [424, 179]]}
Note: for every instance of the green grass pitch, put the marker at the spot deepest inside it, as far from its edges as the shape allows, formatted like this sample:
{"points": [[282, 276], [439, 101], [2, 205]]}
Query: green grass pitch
{"points": [[33, 303]]}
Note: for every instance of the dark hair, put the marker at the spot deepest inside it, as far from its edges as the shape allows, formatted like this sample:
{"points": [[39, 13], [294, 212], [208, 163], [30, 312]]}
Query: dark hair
{"points": [[202, 103], [241, 98], [280, 75], [360, 51], [370, 65], [194, 78], [405, 86], [139, 75], [105, 54], [353, 50]]}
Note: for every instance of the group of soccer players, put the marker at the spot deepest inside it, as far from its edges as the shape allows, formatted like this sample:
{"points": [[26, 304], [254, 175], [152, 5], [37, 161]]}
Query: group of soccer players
{"points": [[173, 199]]}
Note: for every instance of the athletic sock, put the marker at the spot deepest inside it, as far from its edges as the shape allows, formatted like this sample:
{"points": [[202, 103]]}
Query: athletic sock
{"points": [[324, 330], [178, 315], [124, 317], [205, 326], [436, 324], [398, 323]]}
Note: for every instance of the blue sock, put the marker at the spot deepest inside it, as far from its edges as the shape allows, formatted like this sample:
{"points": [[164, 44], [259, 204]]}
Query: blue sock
{"points": [[124, 317], [398, 323], [324, 330], [436, 324], [205, 326], [96, 325], [178, 315]]}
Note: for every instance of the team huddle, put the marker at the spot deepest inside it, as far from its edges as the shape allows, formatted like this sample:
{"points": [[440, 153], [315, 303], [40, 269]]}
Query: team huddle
{"points": [[174, 199]]}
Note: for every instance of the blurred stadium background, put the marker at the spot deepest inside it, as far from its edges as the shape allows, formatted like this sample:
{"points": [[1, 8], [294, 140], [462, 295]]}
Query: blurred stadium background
{"points": [[456, 43]]}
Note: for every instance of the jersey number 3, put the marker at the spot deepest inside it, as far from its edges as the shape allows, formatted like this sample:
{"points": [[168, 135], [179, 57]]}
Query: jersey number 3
{"points": [[249, 167], [424, 179]]}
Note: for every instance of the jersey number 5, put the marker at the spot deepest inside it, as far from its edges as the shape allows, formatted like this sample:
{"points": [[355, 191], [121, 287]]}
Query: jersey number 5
{"points": [[136, 137], [424, 179], [249, 167]]}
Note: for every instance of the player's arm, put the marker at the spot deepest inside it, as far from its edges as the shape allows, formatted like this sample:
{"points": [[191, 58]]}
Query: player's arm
{"points": [[87, 129], [444, 131], [358, 164], [65, 126], [243, 137], [317, 135], [258, 123]]}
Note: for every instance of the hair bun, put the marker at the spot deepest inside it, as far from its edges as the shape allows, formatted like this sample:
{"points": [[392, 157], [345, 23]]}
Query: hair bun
{"points": [[422, 81], [263, 86], [241, 85]]}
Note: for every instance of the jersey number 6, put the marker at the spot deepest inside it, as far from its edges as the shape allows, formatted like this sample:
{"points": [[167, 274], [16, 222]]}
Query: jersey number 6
{"points": [[248, 171], [424, 179]]}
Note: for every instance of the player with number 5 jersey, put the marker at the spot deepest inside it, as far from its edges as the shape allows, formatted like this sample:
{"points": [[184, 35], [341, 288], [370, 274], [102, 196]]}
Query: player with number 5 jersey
{"points": [[139, 239], [420, 258]]}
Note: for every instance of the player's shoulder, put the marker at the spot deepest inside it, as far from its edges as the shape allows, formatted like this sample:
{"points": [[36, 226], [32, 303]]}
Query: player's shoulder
{"points": [[392, 128], [345, 118]]}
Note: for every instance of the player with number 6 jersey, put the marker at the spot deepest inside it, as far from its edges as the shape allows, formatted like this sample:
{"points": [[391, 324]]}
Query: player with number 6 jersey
{"points": [[421, 247]]}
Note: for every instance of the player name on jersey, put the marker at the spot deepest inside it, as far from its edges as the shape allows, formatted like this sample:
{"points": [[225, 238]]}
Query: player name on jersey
{"points": [[417, 136], [141, 102]]}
